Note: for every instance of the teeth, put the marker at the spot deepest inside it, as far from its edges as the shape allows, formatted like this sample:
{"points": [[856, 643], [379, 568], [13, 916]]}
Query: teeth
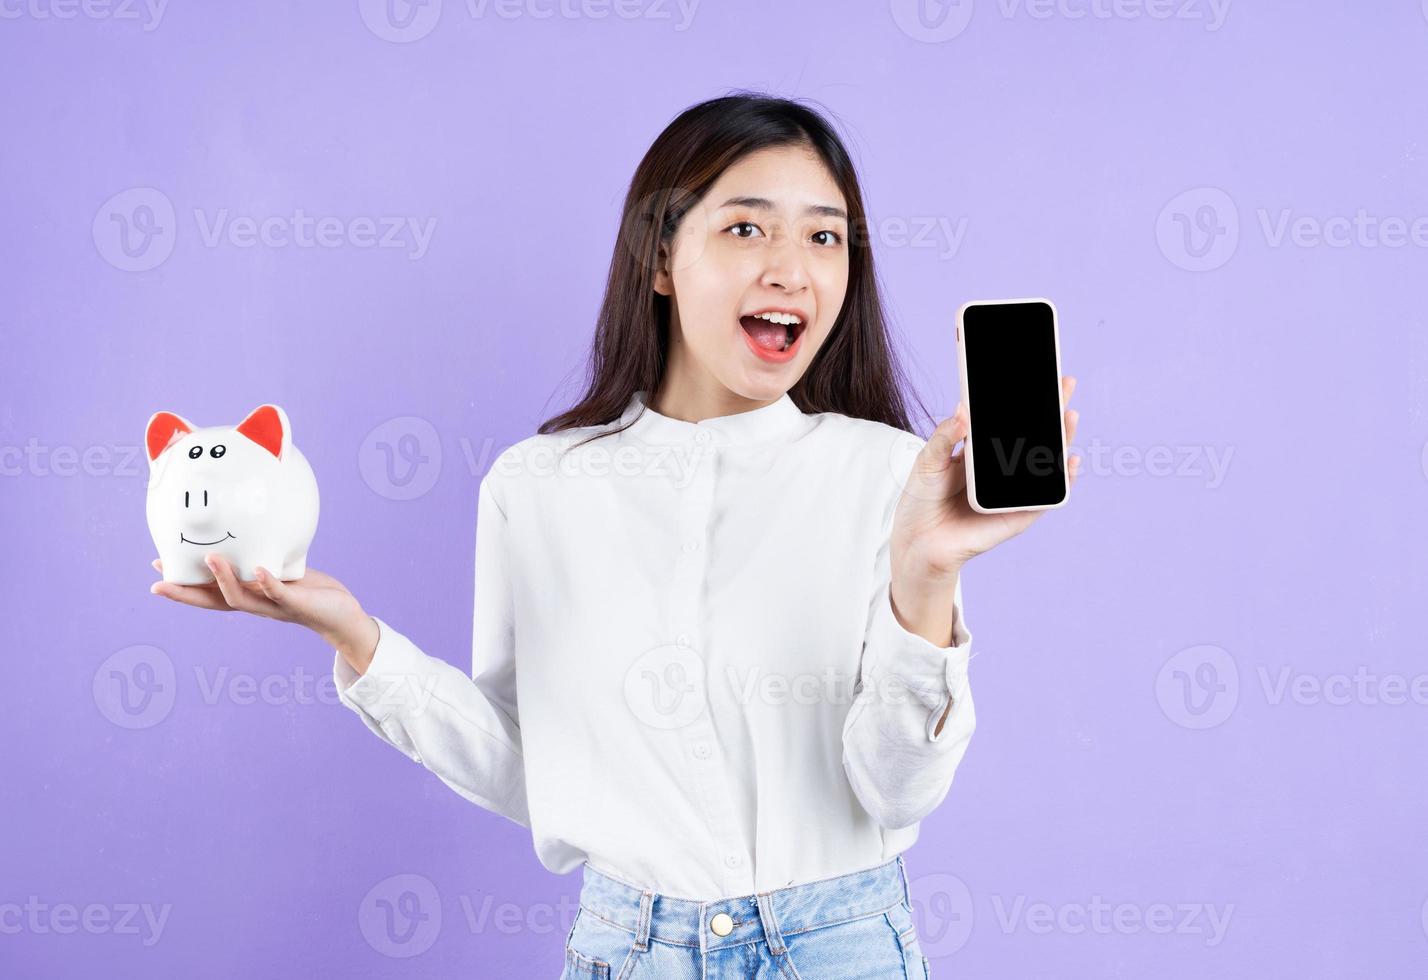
{"points": [[787, 319]]}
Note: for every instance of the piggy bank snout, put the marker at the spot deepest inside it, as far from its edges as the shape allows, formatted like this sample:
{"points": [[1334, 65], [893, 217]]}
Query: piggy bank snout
{"points": [[202, 502]]}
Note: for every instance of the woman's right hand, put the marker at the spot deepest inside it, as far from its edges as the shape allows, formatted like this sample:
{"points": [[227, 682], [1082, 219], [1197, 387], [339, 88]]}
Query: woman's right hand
{"points": [[317, 601]]}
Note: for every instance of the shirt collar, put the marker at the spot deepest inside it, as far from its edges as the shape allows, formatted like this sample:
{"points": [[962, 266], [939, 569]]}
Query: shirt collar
{"points": [[765, 424]]}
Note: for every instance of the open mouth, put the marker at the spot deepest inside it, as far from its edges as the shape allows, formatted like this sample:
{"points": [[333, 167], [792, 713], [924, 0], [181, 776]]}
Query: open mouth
{"points": [[773, 332], [185, 540]]}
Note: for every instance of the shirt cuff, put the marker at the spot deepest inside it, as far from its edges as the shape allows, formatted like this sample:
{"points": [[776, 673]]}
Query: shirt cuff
{"points": [[908, 661], [393, 682]]}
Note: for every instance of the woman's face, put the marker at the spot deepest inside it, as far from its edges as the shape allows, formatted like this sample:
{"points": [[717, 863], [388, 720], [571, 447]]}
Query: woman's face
{"points": [[770, 234]]}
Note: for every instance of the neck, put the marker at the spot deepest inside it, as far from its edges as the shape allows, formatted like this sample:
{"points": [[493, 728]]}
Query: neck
{"points": [[690, 402]]}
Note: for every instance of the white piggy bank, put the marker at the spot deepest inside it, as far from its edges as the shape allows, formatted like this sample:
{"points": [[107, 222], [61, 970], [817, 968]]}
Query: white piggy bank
{"points": [[243, 492]]}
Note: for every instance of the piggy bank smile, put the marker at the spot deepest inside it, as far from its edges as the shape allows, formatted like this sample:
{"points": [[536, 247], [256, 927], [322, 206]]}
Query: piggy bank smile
{"points": [[185, 540], [203, 482]]}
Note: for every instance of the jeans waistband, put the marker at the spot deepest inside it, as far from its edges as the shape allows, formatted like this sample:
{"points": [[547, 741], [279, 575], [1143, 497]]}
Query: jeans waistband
{"points": [[769, 915]]}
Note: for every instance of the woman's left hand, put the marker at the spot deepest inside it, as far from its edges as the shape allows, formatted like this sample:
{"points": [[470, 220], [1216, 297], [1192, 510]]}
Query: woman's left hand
{"points": [[935, 530]]}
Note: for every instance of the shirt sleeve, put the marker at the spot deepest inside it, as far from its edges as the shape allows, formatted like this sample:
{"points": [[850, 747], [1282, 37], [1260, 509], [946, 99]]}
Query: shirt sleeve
{"points": [[463, 728], [899, 765]]}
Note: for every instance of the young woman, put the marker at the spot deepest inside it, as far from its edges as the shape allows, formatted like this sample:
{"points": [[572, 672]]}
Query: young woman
{"points": [[719, 659]]}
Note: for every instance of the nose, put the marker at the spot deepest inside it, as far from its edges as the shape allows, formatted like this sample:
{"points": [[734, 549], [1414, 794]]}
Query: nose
{"points": [[200, 505], [785, 269]]}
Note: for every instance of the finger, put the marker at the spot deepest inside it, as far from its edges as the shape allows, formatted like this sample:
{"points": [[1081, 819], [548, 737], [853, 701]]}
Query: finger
{"points": [[1074, 467], [1068, 388], [937, 453], [274, 588], [190, 595], [233, 590], [157, 565], [1072, 417]]}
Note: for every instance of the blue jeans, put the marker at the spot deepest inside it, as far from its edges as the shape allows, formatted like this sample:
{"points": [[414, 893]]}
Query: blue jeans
{"points": [[856, 926]]}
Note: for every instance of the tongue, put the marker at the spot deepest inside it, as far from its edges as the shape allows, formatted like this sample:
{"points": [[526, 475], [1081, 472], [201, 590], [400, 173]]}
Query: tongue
{"points": [[770, 336]]}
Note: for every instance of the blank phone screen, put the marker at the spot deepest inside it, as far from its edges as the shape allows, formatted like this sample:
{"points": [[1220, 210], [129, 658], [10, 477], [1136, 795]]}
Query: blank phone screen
{"points": [[1014, 399]]}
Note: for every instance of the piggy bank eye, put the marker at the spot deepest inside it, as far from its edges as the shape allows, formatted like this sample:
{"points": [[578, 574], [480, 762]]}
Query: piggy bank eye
{"points": [[195, 452], [217, 451]]}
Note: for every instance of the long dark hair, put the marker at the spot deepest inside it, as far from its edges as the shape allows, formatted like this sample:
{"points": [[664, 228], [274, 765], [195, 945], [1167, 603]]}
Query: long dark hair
{"points": [[853, 373]]}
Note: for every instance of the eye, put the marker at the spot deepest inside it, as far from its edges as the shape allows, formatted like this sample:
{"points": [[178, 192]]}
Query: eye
{"points": [[743, 224], [217, 451], [837, 238], [195, 452]]}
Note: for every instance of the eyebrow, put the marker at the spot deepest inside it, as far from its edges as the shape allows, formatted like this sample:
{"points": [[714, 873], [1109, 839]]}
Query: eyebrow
{"points": [[764, 204]]}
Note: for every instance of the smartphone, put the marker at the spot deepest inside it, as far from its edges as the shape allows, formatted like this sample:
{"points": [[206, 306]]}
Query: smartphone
{"points": [[1010, 358]]}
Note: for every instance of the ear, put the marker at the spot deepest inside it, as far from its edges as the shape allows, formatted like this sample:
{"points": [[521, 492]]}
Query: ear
{"points": [[267, 425], [162, 430], [663, 281]]}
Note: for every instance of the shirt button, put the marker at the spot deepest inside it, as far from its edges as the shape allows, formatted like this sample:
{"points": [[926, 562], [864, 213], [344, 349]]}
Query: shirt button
{"points": [[691, 545], [701, 437], [702, 750], [682, 639], [732, 860], [721, 924]]}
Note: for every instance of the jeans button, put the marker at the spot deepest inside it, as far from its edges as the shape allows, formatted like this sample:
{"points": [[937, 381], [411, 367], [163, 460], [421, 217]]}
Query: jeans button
{"points": [[721, 924]]}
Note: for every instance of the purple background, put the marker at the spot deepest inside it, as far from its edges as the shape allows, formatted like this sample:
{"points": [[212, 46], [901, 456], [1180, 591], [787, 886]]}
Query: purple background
{"points": [[271, 826]]}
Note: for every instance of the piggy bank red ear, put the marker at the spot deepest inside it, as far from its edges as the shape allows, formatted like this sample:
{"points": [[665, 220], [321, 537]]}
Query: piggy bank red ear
{"points": [[267, 425], [163, 429]]}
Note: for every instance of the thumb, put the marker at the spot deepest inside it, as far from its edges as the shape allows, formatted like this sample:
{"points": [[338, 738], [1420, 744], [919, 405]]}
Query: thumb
{"points": [[936, 471]]}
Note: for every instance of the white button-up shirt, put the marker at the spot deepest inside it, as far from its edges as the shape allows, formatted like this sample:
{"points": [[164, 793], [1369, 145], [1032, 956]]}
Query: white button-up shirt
{"points": [[685, 666]]}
